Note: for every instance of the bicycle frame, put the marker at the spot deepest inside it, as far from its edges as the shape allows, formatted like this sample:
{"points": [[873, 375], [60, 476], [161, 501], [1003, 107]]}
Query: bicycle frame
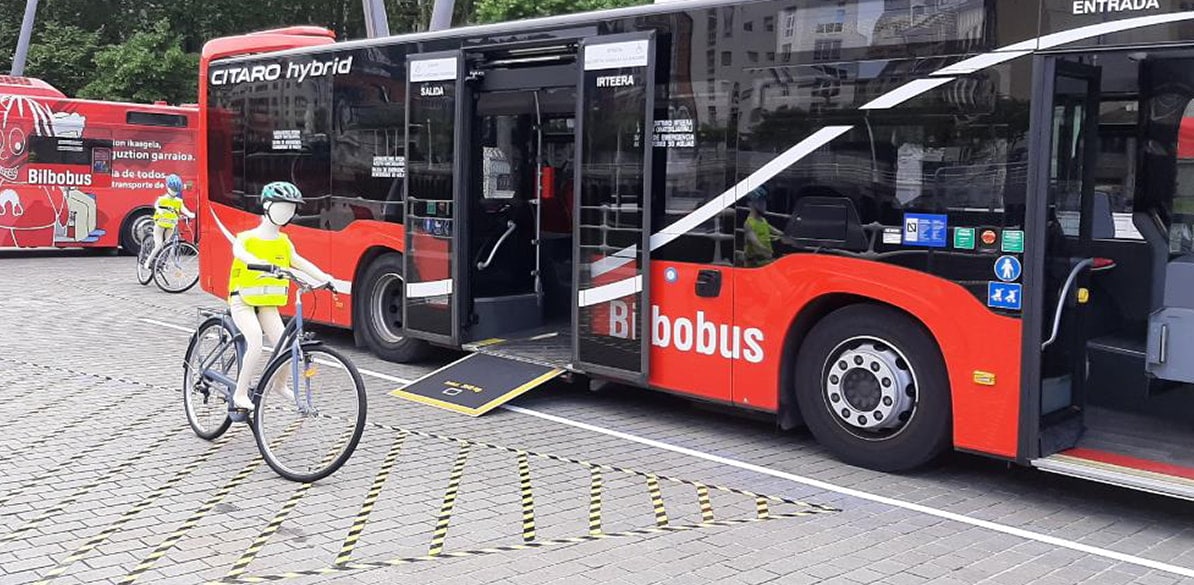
{"points": [[291, 337]]}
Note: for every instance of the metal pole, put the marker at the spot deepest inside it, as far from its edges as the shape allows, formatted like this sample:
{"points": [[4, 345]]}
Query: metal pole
{"points": [[18, 58], [441, 14], [376, 23]]}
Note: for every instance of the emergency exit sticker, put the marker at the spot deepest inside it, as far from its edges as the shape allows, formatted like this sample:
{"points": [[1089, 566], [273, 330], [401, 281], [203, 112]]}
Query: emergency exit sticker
{"points": [[925, 229]]}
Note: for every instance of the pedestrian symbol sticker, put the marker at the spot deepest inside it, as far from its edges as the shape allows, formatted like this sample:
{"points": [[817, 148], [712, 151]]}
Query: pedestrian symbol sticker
{"points": [[1004, 295], [1007, 268], [925, 229]]}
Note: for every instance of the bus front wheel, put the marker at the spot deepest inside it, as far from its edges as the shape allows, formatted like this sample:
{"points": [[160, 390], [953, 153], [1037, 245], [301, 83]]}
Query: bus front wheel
{"points": [[872, 386], [379, 313]]}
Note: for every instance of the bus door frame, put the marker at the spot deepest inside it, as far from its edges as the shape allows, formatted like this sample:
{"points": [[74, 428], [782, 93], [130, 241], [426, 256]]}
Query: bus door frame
{"points": [[457, 256], [1035, 324], [643, 309]]}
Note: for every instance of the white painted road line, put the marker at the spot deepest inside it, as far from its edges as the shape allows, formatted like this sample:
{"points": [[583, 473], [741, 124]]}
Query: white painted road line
{"points": [[822, 485], [829, 487]]}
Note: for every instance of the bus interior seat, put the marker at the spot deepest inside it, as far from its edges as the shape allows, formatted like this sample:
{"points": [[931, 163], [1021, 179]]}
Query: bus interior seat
{"points": [[826, 221]]}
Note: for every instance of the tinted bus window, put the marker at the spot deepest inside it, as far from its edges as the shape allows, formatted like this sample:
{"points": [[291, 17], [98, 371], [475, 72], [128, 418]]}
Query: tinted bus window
{"points": [[151, 119]]}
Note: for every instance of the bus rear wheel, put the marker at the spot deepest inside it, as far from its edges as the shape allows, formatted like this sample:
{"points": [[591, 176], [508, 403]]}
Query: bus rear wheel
{"points": [[379, 313], [137, 226], [872, 386]]}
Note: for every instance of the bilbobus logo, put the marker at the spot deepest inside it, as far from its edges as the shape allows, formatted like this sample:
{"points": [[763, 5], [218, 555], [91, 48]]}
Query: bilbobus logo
{"points": [[59, 178], [700, 335]]}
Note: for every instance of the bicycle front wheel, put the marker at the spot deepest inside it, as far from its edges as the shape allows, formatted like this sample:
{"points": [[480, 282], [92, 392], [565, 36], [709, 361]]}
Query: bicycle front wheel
{"points": [[177, 267], [309, 418], [144, 273], [211, 354]]}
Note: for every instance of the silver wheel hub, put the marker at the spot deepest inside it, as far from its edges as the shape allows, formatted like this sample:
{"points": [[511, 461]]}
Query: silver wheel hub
{"points": [[869, 386], [386, 307]]}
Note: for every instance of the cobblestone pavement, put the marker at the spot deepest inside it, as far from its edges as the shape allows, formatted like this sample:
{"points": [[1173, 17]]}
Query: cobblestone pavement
{"points": [[101, 480]]}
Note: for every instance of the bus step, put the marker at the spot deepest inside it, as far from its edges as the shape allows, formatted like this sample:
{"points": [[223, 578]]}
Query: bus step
{"points": [[1121, 470], [477, 384]]}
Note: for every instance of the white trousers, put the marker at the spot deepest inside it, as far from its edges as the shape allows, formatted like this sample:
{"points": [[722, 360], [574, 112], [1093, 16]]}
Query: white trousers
{"points": [[160, 235], [253, 322]]}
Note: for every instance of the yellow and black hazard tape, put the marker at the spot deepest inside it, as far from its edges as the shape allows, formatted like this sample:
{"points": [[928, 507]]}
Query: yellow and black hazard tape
{"points": [[164, 547], [358, 524], [368, 565], [62, 505], [762, 510], [595, 485], [704, 502], [445, 510], [528, 497], [657, 500], [246, 558], [601, 466], [94, 542], [69, 462]]}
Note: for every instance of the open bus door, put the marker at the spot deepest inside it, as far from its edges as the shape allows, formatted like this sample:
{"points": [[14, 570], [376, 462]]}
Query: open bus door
{"points": [[611, 260], [1109, 325], [435, 279]]}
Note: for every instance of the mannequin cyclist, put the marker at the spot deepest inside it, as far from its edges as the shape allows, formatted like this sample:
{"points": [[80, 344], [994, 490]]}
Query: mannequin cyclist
{"points": [[255, 296], [166, 210]]}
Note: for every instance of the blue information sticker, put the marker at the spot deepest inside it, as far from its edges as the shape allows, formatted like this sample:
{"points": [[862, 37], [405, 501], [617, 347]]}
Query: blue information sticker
{"points": [[1004, 295], [925, 229]]}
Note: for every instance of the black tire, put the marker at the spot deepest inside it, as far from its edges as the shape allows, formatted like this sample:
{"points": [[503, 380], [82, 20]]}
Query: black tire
{"points": [[191, 391], [272, 441], [130, 241], [379, 312], [845, 363], [186, 273]]}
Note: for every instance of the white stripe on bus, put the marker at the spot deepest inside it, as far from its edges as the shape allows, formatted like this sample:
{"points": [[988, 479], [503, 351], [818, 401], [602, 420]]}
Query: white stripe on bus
{"points": [[431, 288]]}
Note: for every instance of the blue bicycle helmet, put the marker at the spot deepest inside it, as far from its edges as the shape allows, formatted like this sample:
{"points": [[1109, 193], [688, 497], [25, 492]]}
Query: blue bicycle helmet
{"points": [[281, 191], [174, 183]]}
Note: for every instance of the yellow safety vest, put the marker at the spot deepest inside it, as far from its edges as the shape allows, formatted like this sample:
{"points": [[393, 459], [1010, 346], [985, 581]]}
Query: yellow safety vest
{"points": [[166, 210], [257, 288]]}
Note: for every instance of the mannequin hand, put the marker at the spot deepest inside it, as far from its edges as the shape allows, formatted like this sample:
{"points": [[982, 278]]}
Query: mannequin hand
{"points": [[340, 286]]}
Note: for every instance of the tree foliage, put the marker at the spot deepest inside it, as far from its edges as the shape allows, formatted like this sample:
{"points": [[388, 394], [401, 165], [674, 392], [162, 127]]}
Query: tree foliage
{"points": [[502, 10], [146, 50], [150, 66]]}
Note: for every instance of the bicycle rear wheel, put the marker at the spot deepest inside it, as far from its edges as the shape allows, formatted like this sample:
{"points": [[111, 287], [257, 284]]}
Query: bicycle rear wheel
{"points": [[144, 274], [311, 431], [177, 267], [203, 400]]}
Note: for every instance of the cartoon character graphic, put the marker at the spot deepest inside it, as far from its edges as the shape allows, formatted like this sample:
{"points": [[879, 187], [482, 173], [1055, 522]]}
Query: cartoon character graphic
{"points": [[31, 214]]}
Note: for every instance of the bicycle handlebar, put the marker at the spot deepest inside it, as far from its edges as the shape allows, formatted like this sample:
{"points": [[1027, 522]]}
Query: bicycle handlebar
{"points": [[289, 275]]}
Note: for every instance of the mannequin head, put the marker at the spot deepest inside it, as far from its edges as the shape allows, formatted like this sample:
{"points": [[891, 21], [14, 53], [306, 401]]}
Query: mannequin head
{"points": [[280, 213], [280, 201]]}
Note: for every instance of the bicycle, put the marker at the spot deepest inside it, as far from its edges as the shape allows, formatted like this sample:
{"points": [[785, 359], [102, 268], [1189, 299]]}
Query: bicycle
{"points": [[176, 268], [209, 380]]}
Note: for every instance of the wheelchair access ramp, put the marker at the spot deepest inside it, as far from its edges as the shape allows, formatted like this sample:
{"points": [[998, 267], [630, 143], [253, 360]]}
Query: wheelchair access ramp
{"points": [[478, 383]]}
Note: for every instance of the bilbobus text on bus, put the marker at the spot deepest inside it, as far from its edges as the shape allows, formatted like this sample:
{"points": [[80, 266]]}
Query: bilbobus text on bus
{"points": [[84, 173], [910, 228]]}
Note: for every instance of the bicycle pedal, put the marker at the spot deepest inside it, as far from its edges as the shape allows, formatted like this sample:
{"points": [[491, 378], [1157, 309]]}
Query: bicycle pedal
{"points": [[238, 415]]}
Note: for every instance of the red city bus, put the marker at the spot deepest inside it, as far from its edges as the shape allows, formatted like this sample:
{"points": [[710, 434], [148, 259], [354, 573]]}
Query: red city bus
{"points": [[83, 173], [909, 227]]}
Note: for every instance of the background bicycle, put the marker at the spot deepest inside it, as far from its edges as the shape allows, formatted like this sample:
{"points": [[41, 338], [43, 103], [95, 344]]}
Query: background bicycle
{"points": [[176, 268]]}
